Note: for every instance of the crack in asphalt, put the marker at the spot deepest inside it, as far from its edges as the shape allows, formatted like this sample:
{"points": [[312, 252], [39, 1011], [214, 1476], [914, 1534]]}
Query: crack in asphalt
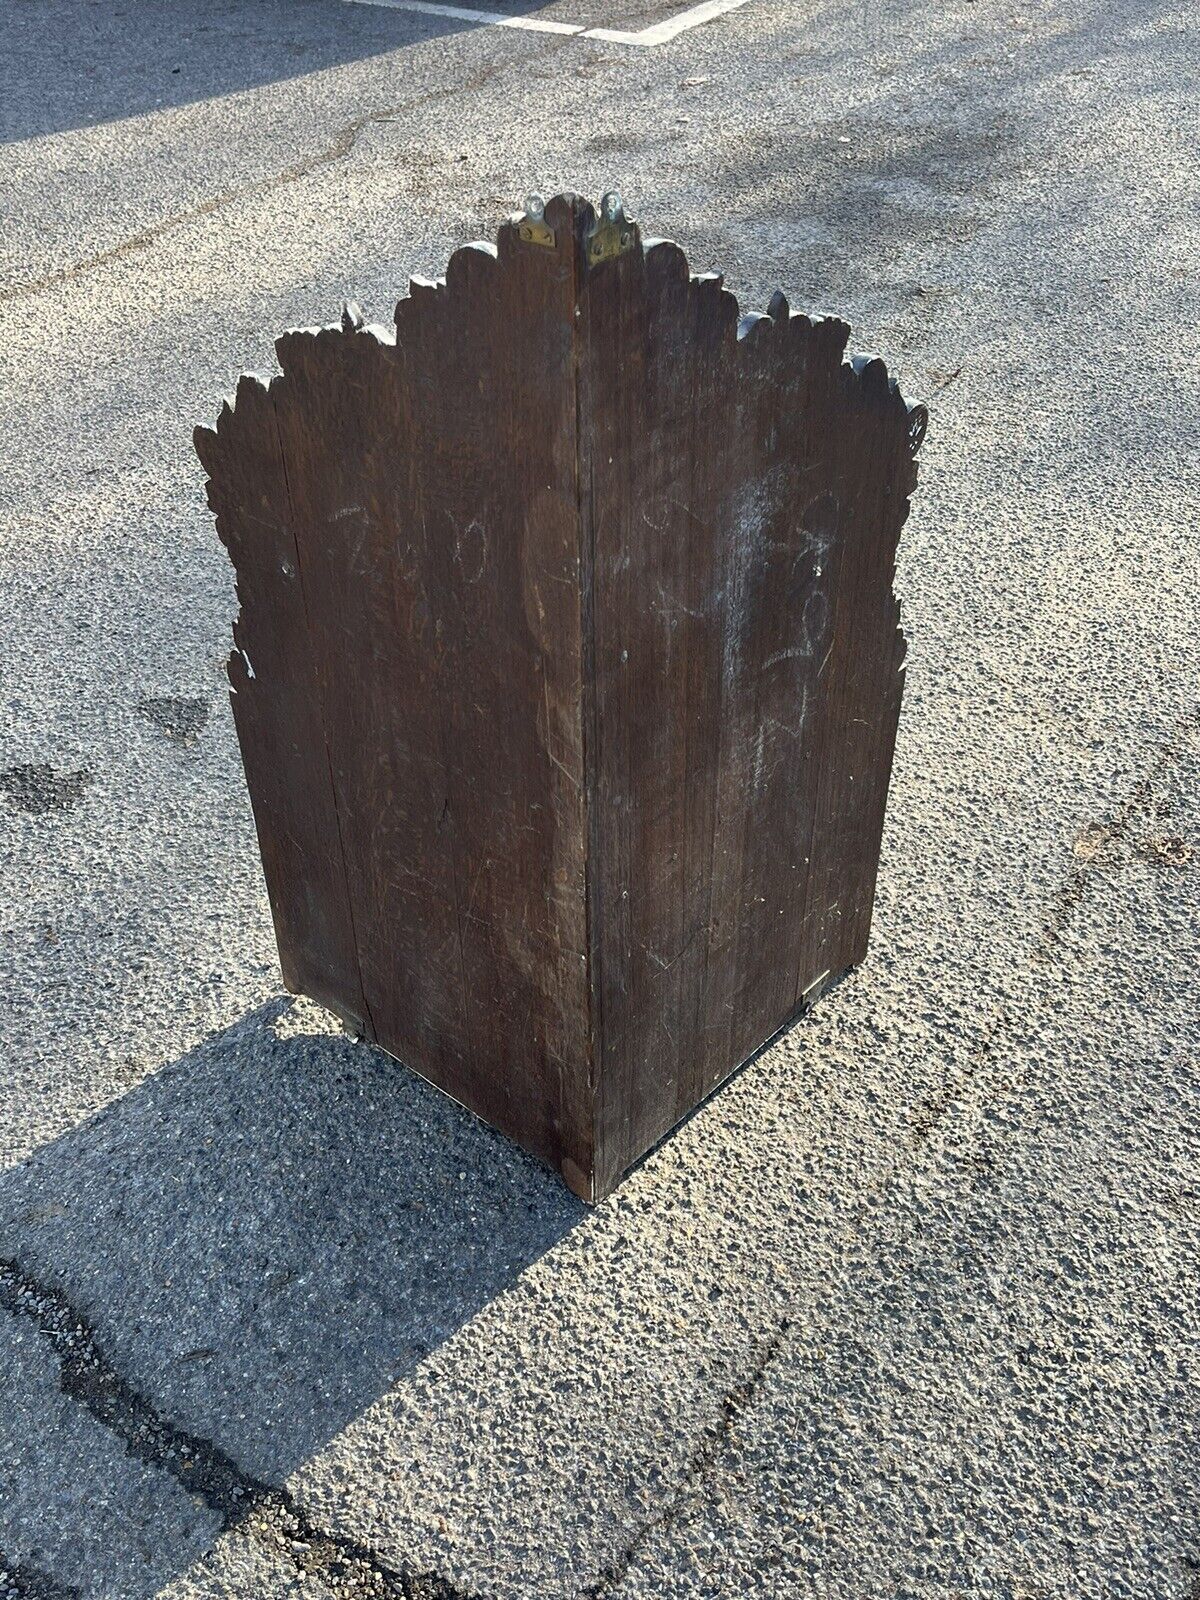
{"points": [[1115, 830], [706, 1453], [1139, 802], [269, 1515], [339, 149]]}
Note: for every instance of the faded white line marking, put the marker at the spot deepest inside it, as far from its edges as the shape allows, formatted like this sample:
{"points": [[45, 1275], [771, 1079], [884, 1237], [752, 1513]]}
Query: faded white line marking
{"points": [[466, 14], [664, 32], [658, 33]]}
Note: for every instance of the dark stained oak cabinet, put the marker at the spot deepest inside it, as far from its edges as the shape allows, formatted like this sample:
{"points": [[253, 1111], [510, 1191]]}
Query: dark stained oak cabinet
{"points": [[567, 672]]}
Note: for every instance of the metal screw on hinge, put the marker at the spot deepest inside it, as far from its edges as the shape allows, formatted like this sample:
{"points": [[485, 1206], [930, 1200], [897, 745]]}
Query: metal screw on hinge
{"points": [[532, 228], [612, 232]]}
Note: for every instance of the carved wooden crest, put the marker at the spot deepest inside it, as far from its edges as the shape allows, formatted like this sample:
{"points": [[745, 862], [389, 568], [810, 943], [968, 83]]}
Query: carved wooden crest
{"points": [[567, 671]]}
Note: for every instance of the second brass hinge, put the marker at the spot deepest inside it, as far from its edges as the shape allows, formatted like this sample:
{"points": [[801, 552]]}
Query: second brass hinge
{"points": [[612, 232]]}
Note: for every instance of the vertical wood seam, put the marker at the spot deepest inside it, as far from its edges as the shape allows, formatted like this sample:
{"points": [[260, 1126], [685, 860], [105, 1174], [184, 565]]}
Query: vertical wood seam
{"points": [[671, 411], [825, 731], [449, 848], [318, 678], [585, 532], [690, 800]]}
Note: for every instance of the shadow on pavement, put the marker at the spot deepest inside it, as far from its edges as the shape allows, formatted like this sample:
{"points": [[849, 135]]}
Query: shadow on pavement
{"points": [[264, 1236], [71, 64]]}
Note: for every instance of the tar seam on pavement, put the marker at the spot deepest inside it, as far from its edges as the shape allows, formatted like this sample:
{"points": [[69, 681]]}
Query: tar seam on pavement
{"points": [[969, 1180], [268, 1515], [271, 1516], [22, 1581]]}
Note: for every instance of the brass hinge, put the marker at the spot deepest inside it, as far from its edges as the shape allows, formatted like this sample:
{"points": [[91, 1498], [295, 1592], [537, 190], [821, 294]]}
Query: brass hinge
{"points": [[611, 233], [532, 228]]}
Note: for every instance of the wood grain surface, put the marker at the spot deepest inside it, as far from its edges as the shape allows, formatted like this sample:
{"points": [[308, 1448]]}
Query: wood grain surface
{"points": [[576, 673]]}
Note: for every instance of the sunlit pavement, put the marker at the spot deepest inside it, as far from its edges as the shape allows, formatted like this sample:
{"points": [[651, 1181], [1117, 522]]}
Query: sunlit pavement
{"points": [[910, 1308]]}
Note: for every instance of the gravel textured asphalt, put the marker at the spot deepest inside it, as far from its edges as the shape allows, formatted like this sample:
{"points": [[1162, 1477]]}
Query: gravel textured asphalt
{"points": [[910, 1309]]}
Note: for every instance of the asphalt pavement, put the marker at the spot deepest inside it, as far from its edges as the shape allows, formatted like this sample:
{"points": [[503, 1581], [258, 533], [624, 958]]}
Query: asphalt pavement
{"points": [[909, 1310]]}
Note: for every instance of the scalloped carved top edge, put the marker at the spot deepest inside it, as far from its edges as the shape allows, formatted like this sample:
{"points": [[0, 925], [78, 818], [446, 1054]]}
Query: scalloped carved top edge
{"points": [[571, 221]]}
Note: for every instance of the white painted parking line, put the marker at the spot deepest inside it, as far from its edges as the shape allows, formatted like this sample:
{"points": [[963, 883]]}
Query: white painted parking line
{"points": [[657, 33], [663, 32], [466, 14]]}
